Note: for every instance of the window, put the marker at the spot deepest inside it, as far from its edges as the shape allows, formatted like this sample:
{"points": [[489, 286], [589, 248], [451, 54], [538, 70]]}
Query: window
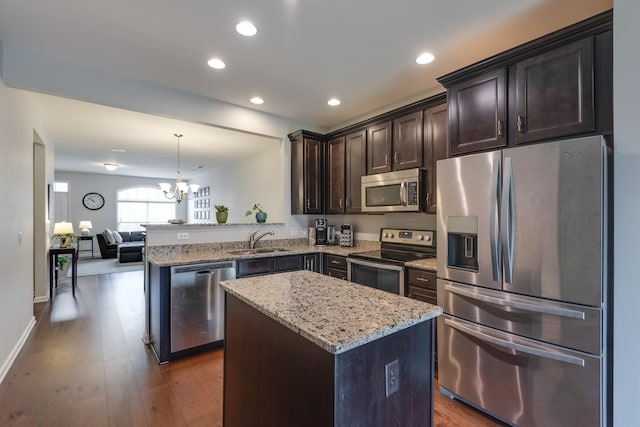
{"points": [[60, 187], [143, 205]]}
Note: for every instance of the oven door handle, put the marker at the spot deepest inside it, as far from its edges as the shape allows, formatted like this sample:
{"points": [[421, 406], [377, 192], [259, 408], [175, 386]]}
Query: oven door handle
{"points": [[511, 345], [374, 264]]}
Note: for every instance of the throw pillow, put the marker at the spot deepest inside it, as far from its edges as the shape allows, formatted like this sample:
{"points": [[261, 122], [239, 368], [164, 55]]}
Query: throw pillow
{"points": [[117, 236], [110, 239]]}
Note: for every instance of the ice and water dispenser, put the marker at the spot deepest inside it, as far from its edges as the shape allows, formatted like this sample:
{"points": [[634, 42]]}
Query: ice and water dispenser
{"points": [[462, 242]]}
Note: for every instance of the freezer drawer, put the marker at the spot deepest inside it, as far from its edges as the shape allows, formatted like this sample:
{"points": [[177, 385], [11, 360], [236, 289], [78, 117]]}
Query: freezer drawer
{"points": [[567, 325], [522, 381]]}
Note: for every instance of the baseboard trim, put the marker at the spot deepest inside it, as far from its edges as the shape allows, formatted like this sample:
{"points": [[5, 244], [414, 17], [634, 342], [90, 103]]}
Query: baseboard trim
{"points": [[40, 299], [16, 349]]}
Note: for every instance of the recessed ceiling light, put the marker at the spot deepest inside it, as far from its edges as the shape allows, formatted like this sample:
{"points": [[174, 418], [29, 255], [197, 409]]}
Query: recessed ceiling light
{"points": [[425, 58], [246, 28], [333, 102], [216, 63], [111, 166], [118, 150], [257, 100]]}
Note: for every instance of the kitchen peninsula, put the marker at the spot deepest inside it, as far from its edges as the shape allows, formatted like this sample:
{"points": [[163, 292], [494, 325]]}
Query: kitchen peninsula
{"points": [[306, 349]]}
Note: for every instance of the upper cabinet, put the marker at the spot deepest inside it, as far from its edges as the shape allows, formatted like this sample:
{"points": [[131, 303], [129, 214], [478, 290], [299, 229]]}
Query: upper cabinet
{"points": [[307, 173], [554, 93], [346, 164], [335, 177], [407, 141], [554, 87], [436, 129], [478, 113], [356, 168], [379, 148]]}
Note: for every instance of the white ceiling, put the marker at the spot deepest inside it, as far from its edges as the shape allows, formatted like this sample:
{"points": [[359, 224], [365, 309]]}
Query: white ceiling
{"points": [[306, 51]]}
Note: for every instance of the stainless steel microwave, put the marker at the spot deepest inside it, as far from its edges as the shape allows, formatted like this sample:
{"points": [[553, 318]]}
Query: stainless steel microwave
{"points": [[400, 191]]}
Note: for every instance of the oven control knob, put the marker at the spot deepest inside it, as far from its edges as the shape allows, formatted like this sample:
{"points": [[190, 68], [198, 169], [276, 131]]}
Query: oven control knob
{"points": [[388, 235], [427, 238], [420, 237]]}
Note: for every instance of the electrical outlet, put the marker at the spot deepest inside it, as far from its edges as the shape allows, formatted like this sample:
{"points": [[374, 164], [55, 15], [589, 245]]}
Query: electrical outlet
{"points": [[183, 236], [391, 377]]}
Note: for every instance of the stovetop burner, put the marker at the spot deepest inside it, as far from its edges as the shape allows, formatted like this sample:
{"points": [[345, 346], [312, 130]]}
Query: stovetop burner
{"points": [[392, 255], [400, 246]]}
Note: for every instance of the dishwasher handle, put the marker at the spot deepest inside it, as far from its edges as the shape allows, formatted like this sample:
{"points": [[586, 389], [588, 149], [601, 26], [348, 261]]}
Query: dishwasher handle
{"points": [[202, 268]]}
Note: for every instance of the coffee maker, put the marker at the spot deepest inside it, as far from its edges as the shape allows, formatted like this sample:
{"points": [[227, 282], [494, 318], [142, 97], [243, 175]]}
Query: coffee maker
{"points": [[321, 231]]}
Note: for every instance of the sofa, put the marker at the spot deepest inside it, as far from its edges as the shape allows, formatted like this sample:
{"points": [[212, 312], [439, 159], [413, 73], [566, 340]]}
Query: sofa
{"points": [[130, 249]]}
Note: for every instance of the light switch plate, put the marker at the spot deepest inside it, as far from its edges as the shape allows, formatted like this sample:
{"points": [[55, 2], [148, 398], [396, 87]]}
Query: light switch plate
{"points": [[391, 377]]}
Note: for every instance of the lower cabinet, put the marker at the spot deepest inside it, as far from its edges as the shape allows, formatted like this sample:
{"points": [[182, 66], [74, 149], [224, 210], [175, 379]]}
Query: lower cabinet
{"points": [[422, 285], [278, 264], [335, 266]]}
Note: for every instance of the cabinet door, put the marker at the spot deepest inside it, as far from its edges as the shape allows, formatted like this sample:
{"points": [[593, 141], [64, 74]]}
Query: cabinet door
{"points": [[436, 129], [313, 175], [407, 141], [288, 263], [379, 148], [356, 168], [254, 267], [554, 93], [478, 114], [336, 176], [312, 262]]}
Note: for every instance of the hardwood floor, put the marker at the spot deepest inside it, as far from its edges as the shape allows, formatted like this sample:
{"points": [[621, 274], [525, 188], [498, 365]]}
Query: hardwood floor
{"points": [[85, 364]]}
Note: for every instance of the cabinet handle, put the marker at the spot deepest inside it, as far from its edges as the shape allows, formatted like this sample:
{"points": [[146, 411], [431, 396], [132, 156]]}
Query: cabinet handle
{"points": [[423, 279], [335, 262], [500, 128], [521, 124], [428, 199], [395, 157], [340, 203], [348, 203], [307, 203], [386, 159]]}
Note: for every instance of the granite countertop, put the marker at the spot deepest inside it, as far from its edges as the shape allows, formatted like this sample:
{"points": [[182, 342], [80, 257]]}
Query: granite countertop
{"points": [[193, 255], [424, 264], [332, 313]]}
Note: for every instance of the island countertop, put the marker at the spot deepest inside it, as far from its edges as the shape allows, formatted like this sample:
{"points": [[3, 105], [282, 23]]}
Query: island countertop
{"points": [[334, 314]]}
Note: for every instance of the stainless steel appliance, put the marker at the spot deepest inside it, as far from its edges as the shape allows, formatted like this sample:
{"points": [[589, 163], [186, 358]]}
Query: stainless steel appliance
{"points": [[384, 269], [331, 234], [400, 191], [346, 235], [197, 303], [523, 282], [321, 231]]}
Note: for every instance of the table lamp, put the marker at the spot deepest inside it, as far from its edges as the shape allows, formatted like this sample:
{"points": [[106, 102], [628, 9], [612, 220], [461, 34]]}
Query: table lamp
{"points": [[64, 231], [85, 227]]}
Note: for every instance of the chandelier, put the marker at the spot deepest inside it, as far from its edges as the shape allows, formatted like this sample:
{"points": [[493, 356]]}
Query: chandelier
{"points": [[181, 190]]}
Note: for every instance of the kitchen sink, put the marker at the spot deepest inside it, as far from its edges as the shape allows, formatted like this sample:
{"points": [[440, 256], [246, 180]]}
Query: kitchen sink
{"points": [[258, 251]]}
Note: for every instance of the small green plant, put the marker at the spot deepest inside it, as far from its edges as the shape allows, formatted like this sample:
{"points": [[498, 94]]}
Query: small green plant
{"points": [[61, 262], [256, 208], [221, 208]]}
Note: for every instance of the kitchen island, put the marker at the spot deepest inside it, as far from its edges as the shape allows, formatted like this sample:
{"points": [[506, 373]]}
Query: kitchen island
{"points": [[306, 349]]}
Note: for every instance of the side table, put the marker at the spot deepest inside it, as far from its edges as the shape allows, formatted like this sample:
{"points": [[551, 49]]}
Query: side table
{"points": [[53, 261], [83, 238]]}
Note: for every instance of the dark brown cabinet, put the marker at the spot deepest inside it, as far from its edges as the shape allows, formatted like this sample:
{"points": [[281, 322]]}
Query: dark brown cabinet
{"points": [[478, 113], [407, 141], [356, 168], [421, 285], [335, 184], [307, 173], [436, 129], [335, 266], [278, 264], [554, 93], [379, 148]]}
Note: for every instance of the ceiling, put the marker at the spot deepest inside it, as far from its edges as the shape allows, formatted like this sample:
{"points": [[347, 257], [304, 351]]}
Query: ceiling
{"points": [[305, 52]]}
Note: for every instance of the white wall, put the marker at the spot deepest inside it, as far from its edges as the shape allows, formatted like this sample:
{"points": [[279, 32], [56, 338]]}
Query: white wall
{"points": [[16, 219], [627, 214]]}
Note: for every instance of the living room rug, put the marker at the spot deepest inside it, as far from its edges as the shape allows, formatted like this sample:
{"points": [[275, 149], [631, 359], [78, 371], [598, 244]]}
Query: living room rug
{"points": [[94, 267]]}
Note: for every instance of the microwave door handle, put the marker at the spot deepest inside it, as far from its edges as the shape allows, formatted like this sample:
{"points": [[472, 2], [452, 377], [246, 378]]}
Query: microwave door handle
{"points": [[403, 193]]}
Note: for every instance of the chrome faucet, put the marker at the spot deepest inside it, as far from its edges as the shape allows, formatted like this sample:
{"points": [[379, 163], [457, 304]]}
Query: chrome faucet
{"points": [[253, 239]]}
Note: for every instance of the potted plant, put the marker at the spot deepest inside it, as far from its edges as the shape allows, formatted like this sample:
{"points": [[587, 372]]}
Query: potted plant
{"points": [[222, 213], [261, 216]]}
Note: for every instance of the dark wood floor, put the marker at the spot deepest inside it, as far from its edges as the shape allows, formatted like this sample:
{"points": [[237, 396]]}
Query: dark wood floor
{"points": [[85, 364]]}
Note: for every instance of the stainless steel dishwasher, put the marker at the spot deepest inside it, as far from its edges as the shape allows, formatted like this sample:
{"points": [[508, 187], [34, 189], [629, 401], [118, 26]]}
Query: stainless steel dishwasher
{"points": [[197, 303]]}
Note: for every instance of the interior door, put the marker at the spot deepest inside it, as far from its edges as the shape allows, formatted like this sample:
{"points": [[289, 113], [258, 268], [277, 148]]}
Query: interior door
{"points": [[467, 192], [553, 223]]}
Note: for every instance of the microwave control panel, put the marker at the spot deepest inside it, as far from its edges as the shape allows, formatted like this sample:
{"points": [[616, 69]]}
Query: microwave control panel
{"points": [[412, 193], [425, 238]]}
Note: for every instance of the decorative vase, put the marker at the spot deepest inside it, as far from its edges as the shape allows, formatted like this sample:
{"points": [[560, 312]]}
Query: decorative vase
{"points": [[221, 217], [261, 217]]}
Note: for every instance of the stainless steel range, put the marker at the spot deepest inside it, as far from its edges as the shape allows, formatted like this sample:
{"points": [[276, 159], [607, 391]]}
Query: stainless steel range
{"points": [[384, 269]]}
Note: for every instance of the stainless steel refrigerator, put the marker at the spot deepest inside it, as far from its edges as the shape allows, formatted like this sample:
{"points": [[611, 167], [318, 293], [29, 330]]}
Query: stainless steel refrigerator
{"points": [[523, 282]]}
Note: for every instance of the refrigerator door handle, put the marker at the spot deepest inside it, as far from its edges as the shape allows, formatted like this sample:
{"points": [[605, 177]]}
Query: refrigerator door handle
{"points": [[507, 218], [494, 221], [536, 308], [511, 345]]}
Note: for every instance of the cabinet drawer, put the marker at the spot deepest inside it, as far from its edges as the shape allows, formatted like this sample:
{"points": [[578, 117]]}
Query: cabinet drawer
{"points": [[336, 261], [422, 294], [422, 279], [288, 263], [335, 272], [252, 267]]}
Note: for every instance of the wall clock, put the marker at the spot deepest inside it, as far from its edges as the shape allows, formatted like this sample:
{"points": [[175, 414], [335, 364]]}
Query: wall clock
{"points": [[93, 201]]}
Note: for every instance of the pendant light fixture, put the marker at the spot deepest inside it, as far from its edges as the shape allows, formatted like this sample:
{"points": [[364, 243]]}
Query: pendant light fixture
{"points": [[181, 190]]}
